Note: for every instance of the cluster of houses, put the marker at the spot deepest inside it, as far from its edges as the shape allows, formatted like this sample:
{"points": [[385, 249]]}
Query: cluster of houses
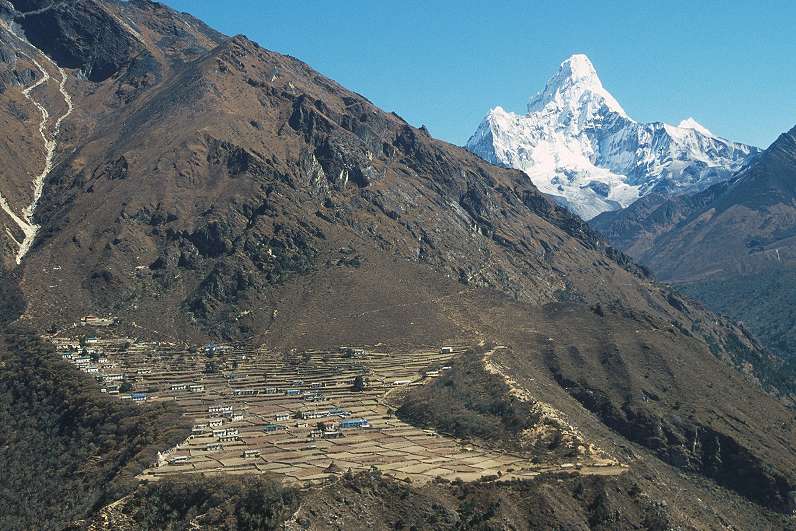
{"points": [[312, 395], [331, 430], [99, 322], [218, 415], [273, 427], [324, 413], [332, 422], [193, 388], [350, 424], [227, 435], [92, 361], [317, 414], [351, 352], [90, 358], [138, 396]]}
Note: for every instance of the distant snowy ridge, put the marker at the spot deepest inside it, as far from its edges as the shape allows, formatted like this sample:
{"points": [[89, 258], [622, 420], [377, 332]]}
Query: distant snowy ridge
{"points": [[578, 144]]}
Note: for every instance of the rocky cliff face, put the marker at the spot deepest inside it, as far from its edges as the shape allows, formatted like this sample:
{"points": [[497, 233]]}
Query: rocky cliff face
{"points": [[577, 144]]}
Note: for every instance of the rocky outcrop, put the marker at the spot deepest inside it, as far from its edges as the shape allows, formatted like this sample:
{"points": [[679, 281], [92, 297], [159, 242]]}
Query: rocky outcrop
{"points": [[79, 35]]}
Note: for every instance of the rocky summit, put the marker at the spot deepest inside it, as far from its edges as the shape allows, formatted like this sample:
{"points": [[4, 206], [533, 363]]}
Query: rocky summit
{"points": [[236, 294]]}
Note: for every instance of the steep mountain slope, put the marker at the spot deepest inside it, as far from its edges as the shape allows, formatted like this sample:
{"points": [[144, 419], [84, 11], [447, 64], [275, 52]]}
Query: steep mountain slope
{"points": [[244, 167], [635, 229], [763, 302], [731, 246], [206, 187], [66, 449], [46, 48], [578, 145]]}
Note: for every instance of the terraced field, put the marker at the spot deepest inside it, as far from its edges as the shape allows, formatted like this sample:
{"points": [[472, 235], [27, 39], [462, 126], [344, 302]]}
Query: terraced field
{"points": [[304, 416]]}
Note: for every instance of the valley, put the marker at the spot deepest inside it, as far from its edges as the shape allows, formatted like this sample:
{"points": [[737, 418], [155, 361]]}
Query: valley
{"points": [[730, 247], [235, 294]]}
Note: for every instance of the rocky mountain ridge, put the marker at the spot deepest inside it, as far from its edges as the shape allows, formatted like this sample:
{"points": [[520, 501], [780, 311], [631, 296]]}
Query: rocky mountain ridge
{"points": [[737, 227], [731, 246]]}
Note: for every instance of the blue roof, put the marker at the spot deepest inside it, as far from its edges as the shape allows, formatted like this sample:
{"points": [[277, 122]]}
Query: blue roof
{"points": [[354, 422]]}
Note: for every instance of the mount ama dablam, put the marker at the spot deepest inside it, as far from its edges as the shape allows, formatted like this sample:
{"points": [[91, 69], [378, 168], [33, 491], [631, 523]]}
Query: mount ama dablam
{"points": [[579, 146]]}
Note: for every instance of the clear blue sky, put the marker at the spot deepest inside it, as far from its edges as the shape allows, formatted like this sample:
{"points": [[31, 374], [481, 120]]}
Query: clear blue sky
{"points": [[444, 63]]}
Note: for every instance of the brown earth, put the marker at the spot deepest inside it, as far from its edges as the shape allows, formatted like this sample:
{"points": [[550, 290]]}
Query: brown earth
{"points": [[206, 187], [733, 247]]}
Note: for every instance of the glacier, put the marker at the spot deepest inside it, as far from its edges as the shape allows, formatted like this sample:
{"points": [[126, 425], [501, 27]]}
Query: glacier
{"points": [[578, 145]]}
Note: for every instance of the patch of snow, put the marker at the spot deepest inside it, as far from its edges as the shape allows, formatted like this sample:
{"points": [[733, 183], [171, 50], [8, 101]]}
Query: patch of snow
{"points": [[690, 123], [575, 87]]}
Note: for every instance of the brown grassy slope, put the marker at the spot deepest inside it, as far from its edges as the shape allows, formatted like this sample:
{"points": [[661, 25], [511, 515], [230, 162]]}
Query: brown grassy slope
{"points": [[653, 500], [245, 168], [372, 501], [662, 389], [214, 182], [651, 382], [646, 440]]}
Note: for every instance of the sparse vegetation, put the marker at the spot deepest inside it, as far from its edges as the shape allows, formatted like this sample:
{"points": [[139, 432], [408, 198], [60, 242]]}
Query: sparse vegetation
{"points": [[248, 503], [467, 402], [770, 318]]}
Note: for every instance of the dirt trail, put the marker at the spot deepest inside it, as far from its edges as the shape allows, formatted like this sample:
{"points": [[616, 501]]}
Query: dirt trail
{"points": [[549, 419]]}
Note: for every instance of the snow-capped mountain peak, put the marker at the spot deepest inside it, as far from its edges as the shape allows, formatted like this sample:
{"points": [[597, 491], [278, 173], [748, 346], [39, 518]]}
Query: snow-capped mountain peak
{"points": [[576, 85], [578, 144], [690, 123]]}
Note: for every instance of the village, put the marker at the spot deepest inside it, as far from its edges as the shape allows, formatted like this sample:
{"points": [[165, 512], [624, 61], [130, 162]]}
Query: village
{"points": [[303, 416]]}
